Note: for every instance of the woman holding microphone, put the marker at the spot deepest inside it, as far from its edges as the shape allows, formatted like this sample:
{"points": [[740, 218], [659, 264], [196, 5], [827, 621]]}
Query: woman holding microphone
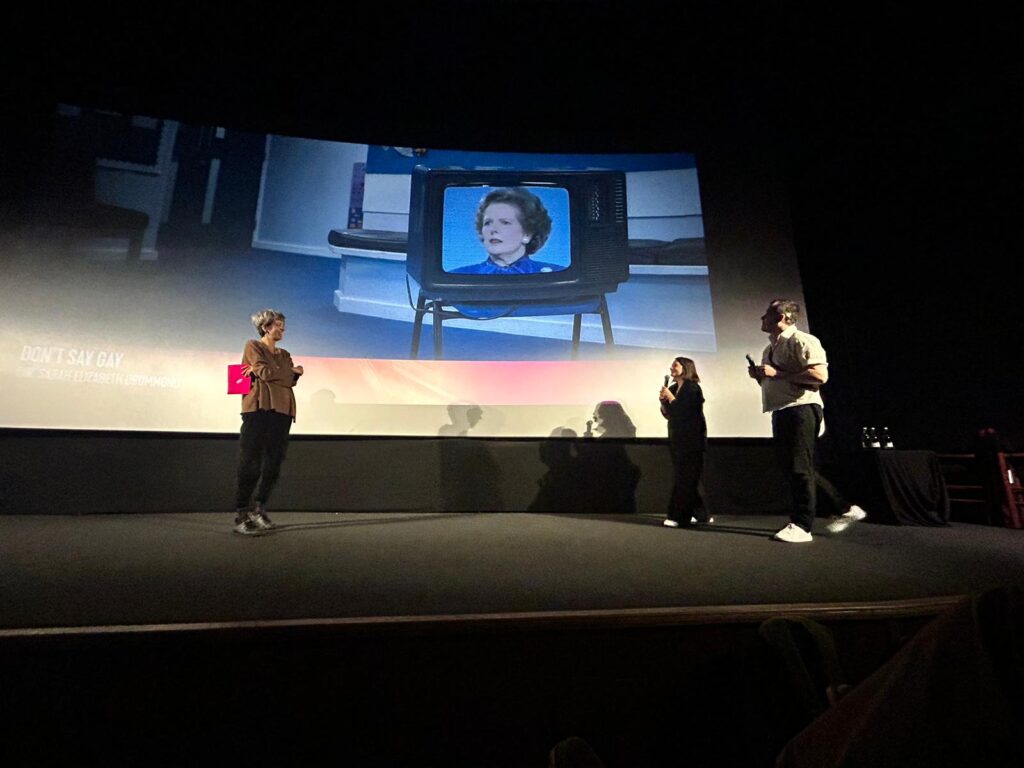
{"points": [[682, 405]]}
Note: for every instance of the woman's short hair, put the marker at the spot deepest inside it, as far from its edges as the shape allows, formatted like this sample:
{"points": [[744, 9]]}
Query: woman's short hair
{"points": [[533, 216], [689, 369], [263, 318]]}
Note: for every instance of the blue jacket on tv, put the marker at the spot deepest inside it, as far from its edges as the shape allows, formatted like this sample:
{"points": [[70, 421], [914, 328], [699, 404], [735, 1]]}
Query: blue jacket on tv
{"points": [[522, 266]]}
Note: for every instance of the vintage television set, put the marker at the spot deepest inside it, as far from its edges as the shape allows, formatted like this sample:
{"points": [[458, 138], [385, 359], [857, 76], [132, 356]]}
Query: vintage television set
{"points": [[585, 254]]}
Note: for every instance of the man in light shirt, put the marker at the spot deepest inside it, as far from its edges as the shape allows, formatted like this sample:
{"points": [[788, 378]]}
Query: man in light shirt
{"points": [[793, 368]]}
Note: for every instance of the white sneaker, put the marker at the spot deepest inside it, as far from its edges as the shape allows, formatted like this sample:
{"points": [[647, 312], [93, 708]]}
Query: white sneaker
{"points": [[695, 521], [669, 523], [855, 513], [841, 523], [793, 534]]}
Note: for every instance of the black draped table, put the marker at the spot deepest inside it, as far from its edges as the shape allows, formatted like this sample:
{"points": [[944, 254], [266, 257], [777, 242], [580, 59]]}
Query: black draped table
{"points": [[902, 487]]}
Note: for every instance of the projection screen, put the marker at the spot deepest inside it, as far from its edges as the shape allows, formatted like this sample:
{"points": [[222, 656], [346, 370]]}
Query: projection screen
{"points": [[151, 242]]}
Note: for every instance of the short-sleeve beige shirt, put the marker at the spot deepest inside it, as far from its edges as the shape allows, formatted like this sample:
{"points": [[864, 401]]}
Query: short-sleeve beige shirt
{"points": [[792, 352]]}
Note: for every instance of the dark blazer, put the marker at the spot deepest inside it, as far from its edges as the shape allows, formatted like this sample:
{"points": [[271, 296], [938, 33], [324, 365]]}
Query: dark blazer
{"points": [[687, 429]]}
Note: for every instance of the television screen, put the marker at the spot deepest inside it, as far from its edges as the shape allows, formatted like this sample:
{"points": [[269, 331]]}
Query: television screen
{"points": [[526, 242], [506, 230]]}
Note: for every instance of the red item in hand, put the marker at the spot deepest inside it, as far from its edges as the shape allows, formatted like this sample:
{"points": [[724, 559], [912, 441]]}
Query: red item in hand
{"points": [[239, 382]]}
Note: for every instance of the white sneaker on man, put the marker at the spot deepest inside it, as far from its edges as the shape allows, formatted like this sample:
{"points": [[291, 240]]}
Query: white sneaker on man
{"points": [[841, 523], [793, 534], [668, 522]]}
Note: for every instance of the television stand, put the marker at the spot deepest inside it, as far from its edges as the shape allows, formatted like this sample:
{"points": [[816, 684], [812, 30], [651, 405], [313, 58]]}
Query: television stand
{"points": [[488, 311]]}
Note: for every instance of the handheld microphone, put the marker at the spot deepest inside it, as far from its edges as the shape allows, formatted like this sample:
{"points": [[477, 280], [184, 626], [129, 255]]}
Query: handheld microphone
{"points": [[750, 362], [666, 381]]}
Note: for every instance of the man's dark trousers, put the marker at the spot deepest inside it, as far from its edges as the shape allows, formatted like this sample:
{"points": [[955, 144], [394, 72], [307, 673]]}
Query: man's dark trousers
{"points": [[795, 429]]}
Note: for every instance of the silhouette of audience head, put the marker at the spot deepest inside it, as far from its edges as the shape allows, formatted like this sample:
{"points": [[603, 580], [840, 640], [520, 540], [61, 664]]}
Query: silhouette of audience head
{"points": [[462, 417]]}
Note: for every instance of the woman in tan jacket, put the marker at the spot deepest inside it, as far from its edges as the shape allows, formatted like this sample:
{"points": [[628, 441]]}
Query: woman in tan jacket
{"points": [[268, 411]]}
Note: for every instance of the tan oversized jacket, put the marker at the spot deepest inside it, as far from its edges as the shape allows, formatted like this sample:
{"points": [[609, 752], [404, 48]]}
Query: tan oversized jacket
{"points": [[272, 379]]}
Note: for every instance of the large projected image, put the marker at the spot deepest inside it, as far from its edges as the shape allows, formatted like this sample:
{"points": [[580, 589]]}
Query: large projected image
{"points": [[532, 291]]}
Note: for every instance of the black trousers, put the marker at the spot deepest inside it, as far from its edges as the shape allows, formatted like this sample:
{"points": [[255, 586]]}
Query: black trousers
{"points": [[261, 450], [685, 502], [791, 441], [795, 429]]}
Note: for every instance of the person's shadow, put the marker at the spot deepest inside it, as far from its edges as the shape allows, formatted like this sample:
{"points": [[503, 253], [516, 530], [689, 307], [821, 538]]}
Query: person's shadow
{"points": [[325, 412], [613, 477], [561, 486], [592, 475], [470, 476], [463, 417]]}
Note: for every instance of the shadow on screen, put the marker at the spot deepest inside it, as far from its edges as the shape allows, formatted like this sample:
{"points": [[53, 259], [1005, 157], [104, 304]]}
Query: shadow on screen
{"points": [[470, 476], [462, 418], [591, 475]]}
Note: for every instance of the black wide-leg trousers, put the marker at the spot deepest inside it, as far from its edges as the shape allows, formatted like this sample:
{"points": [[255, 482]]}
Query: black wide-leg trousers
{"points": [[685, 502], [261, 450]]}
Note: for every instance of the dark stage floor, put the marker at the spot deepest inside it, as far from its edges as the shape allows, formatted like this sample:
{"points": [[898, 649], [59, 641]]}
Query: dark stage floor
{"points": [[103, 570]]}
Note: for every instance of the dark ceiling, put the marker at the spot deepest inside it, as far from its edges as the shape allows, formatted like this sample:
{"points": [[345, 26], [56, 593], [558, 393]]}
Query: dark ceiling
{"points": [[530, 75]]}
